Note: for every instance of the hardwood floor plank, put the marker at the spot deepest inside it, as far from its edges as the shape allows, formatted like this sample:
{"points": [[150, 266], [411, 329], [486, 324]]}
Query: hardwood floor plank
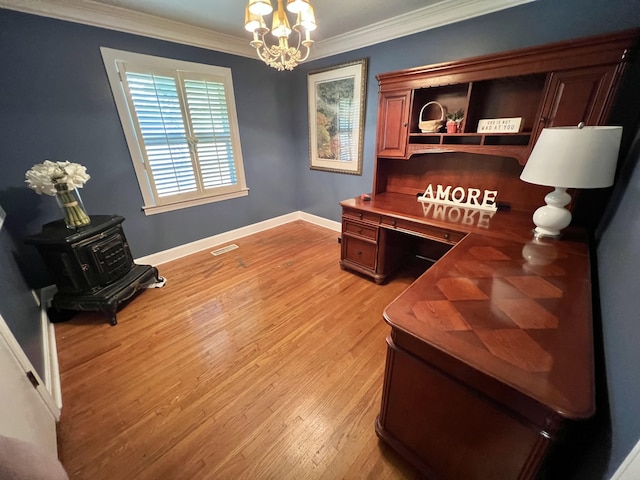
{"points": [[264, 362]]}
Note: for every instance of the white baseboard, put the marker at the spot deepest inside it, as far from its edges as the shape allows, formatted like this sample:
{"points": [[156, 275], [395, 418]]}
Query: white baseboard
{"points": [[49, 347], [232, 235], [321, 221]]}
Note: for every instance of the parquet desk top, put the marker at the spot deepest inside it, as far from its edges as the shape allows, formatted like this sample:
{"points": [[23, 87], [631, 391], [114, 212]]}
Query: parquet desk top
{"points": [[511, 308]]}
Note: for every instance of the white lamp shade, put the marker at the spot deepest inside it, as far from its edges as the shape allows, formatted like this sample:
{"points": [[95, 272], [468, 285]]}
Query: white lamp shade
{"points": [[574, 157], [308, 19], [253, 22], [297, 6], [260, 7]]}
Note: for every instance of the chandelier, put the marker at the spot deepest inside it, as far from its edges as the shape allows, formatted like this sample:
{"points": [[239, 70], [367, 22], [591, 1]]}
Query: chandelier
{"points": [[280, 56]]}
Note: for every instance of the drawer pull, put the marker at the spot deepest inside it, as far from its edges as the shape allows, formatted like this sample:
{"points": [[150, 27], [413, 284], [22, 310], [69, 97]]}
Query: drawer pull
{"points": [[359, 231], [393, 224], [360, 215], [446, 235], [359, 252]]}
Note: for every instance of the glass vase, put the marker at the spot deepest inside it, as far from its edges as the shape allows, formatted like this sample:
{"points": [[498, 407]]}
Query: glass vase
{"points": [[72, 207]]}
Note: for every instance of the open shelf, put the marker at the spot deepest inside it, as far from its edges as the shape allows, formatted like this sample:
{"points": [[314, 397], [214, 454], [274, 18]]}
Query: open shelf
{"points": [[508, 97]]}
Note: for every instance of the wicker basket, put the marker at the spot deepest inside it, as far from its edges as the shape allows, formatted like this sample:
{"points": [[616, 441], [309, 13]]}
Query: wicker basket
{"points": [[431, 126]]}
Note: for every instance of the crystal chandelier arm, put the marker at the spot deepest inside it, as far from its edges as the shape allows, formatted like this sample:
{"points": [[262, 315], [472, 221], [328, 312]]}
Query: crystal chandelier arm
{"points": [[261, 47], [305, 24], [298, 29], [306, 55], [306, 47], [306, 43]]}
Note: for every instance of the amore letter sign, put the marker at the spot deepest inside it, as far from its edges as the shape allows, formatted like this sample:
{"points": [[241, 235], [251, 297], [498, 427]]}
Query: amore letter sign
{"points": [[461, 197]]}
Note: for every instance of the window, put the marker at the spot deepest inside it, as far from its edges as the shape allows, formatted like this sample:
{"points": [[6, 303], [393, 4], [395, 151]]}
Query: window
{"points": [[180, 123]]}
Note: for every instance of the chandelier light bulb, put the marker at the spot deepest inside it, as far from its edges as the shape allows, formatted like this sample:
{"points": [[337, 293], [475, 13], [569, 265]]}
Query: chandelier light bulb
{"points": [[281, 27]]}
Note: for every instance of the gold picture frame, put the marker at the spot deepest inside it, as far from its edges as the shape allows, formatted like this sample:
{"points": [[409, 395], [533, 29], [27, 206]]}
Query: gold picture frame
{"points": [[337, 97]]}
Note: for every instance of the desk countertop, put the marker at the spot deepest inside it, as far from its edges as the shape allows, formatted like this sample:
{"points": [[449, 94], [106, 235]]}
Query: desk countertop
{"points": [[513, 308]]}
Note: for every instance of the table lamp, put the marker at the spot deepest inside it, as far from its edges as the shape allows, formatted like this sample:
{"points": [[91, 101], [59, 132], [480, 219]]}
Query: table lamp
{"points": [[569, 157]]}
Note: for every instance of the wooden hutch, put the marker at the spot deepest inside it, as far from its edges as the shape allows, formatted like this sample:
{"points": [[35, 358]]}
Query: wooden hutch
{"points": [[490, 354]]}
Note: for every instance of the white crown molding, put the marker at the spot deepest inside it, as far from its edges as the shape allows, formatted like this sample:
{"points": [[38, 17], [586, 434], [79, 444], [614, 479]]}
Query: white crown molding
{"points": [[117, 18], [123, 20], [433, 16]]}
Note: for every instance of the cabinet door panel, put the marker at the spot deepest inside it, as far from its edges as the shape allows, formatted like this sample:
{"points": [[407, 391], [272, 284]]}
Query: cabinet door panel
{"points": [[393, 115], [576, 96], [452, 430]]}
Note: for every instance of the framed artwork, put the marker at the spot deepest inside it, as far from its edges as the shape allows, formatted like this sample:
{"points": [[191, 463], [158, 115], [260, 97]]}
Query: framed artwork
{"points": [[337, 98]]}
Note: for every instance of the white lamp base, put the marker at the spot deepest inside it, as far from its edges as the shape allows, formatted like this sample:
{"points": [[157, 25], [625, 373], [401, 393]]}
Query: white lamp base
{"points": [[552, 217]]}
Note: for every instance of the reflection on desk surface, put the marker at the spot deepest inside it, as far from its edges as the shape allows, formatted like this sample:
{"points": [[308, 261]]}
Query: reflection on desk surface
{"points": [[469, 217]]}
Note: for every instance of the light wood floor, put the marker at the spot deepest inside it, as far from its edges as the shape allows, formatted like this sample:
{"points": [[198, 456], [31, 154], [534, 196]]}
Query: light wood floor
{"points": [[265, 362]]}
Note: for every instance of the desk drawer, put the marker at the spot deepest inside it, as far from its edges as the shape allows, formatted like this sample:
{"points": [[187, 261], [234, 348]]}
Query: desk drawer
{"points": [[372, 218], [360, 251], [360, 229], [420, 229]]}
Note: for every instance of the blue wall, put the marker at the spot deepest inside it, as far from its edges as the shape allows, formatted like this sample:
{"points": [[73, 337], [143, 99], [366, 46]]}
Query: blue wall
{"points": [[619, 269], [55, 103]]}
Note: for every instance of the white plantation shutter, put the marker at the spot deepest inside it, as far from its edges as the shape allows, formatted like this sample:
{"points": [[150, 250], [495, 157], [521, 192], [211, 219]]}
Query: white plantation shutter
{"points": [[161, 125], [181, 129], [207, 105]]}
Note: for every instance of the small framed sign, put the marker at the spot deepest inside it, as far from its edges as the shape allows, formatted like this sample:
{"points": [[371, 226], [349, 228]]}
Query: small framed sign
{"points": [[500, 125]]}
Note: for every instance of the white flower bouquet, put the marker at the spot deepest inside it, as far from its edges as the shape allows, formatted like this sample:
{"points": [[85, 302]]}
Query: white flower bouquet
{"points": [[61, 179], [44, 176]]}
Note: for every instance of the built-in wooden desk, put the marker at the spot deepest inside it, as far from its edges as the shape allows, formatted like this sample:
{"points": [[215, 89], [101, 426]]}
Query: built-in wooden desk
{"points": [[490, 353]]}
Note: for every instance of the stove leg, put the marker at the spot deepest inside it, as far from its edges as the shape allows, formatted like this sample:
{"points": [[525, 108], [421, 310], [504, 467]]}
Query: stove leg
{"points": [[111, 313]]}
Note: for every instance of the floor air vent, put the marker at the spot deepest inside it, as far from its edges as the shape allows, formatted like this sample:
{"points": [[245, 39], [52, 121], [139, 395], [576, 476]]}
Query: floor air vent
{"points": [[226, 249]]}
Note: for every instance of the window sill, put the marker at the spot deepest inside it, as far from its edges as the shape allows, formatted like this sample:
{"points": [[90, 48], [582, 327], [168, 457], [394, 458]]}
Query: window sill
{"points": [[155, 209]]}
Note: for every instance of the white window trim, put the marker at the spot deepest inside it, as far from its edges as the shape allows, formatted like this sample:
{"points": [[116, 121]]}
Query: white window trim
{"points": [[110, 57]]}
